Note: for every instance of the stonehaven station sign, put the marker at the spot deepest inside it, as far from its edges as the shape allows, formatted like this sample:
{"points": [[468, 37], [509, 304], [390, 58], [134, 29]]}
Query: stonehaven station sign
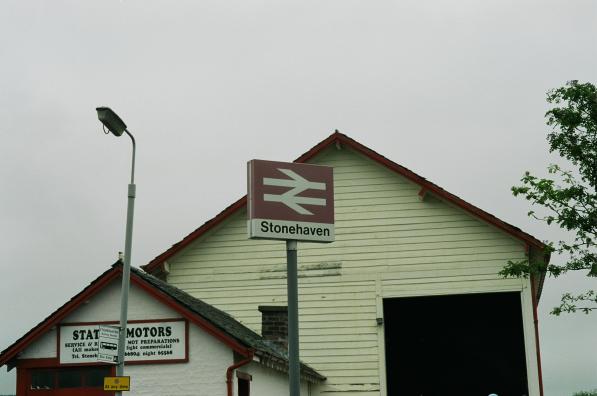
{"points": [[290, 201]]}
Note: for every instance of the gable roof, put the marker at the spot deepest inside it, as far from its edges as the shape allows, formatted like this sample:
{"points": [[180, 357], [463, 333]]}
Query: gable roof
{"points": [[156, 265], [218, 323]]}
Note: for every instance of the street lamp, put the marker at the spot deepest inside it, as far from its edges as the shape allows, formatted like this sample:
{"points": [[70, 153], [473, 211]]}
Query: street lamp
{"points": [[115, 125]]}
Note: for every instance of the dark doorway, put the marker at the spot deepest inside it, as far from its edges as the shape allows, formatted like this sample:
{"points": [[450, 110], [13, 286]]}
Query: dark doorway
{"points": [[465, 345]]}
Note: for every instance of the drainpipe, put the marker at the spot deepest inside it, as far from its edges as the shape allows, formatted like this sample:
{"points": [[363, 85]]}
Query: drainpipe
{"points": [[230, 369], [536, 323]]}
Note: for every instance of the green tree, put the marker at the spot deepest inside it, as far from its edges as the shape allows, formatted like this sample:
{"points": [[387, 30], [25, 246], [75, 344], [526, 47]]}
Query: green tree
{"points": [[568, 198]]}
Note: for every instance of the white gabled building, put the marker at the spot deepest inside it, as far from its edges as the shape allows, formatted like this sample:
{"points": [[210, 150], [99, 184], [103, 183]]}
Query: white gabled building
{"points": [[176, 345], [406, 301]]}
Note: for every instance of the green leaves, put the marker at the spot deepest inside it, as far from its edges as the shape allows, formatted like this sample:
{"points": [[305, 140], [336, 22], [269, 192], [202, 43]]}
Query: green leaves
{"points": [[574, 121], [568, 197], [570, 303]]}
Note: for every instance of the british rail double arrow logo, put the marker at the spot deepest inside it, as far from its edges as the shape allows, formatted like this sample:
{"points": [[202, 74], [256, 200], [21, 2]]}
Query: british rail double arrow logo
{"points": [[290, 198]]}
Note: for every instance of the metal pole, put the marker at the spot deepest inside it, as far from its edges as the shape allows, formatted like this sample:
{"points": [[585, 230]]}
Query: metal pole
{"points": [[126, 270], [293, 320]]}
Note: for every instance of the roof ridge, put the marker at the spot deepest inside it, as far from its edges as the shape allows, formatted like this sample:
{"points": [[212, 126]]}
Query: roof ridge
{"points": [[156, 263]]}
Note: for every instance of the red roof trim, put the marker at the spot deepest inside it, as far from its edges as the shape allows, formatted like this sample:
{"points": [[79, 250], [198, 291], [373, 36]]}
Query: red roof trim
{"points": [[440, 192], [38, 363], [96, 286], [156, 264], [57, 316]]}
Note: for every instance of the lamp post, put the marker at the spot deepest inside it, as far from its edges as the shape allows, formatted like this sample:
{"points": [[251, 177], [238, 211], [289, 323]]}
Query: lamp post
{"points": [[116, 126]]}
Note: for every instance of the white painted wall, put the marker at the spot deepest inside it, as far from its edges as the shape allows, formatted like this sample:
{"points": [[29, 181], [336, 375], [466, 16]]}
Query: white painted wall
{"points": [[530, 342], [203, 375], [389, 243], [105, 305], [267, 382], [44, 347]]}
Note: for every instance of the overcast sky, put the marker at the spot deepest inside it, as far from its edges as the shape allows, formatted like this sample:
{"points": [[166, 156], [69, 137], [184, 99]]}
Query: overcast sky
{"points": [[453, 90]]}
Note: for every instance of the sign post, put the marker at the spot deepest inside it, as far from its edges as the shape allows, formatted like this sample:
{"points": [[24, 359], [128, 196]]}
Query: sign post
{"points": [[291, 202], [294, 368], [108, 344]]}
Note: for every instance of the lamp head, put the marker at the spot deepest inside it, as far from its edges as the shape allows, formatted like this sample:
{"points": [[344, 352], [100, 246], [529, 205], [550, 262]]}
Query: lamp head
{"points": [[111, 120]]}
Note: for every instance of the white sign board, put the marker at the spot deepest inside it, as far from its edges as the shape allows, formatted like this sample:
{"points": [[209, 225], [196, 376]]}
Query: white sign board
{"points": [[108, 344], [146, 341]]}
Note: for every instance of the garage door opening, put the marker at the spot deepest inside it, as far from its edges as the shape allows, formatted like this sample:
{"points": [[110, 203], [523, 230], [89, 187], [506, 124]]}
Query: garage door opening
{"points": [[455, 345]]}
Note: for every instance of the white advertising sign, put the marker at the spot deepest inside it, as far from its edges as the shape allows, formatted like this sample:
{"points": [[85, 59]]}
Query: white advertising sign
{"points": [[145, 341]]}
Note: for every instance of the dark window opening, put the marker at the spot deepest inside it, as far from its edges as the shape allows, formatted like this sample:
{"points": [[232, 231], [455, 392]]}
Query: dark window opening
{"points": [[69, 378], [244, 384], [243, 387], [94, 378], [42, 379], [464, 345]]}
